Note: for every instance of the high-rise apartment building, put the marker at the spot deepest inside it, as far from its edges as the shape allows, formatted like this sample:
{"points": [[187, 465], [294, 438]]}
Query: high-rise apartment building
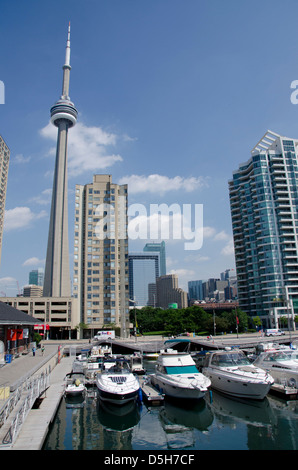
{"points": [[143, 272], [101, 276], [4, 164], [161, 249], [264, 209]]}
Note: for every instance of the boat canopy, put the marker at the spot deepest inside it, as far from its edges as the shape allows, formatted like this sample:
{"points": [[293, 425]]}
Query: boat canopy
{"points": [[181, 370]]}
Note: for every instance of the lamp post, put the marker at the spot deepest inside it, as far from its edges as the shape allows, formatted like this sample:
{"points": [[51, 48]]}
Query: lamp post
{"points": [[237, 321]]}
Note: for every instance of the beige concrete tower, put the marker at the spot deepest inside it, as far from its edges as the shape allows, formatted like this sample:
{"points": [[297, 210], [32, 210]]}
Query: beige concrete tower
{"points": [[63, 116]]}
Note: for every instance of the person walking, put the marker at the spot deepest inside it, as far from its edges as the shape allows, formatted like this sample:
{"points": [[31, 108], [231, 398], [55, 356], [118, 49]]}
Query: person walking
{"points": [[33, 350], [42, 350]]}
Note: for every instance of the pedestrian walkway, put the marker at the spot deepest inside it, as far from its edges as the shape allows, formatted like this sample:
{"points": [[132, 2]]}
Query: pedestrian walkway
{"points": [[14, 373], [34, 430], [36, 426]]}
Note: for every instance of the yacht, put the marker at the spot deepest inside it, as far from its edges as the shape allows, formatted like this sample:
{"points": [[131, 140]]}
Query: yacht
{"points": [[177, 376], [282, 364], [136, 364], [74, 385], [116, 383], [232, 373]]}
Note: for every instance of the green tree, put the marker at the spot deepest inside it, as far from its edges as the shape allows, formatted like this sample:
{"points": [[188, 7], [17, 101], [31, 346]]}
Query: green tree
{"points": [[232, 317], [256, 321]]}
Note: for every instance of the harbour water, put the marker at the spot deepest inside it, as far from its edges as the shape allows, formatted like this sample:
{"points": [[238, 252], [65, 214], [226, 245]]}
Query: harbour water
{"points": [[217, 422]]}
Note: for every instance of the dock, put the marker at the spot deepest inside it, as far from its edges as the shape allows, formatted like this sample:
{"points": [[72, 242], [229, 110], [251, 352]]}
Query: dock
{"points": [[150, 394], [283, 391]]}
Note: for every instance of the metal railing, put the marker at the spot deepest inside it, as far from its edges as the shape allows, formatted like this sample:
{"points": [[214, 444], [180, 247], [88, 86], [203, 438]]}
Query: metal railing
{"points": [[22, 401]]}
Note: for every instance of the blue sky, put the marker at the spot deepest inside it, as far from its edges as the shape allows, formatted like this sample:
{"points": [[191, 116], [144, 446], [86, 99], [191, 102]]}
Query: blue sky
{"points": [[181, 90]]}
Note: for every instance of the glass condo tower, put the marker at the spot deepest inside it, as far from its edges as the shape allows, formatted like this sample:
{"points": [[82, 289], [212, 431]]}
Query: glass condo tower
{"points": [[264, 210]]}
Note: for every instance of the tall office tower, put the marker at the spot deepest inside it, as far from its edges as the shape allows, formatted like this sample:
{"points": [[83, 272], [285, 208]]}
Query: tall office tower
{"points": [[4, 163], [63, 116], [264, 209], [161, 249], [143, 272], [168, 292], [101, 277], [195, 290], [36, 277]]}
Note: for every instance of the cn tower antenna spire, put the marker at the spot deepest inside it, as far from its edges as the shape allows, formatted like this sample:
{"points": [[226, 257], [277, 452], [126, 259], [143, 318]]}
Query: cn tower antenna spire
{"points": [[67, 52]]}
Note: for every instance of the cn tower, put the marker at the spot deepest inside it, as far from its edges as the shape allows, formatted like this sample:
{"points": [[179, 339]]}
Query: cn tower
{"points": [[63, 116]]}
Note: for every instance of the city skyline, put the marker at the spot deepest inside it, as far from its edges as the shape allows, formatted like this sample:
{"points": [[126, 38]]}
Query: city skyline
{"points": [[170, 106]]}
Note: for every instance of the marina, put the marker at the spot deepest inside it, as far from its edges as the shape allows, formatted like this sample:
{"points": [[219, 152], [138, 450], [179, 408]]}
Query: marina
{"points": [[53, 406]]}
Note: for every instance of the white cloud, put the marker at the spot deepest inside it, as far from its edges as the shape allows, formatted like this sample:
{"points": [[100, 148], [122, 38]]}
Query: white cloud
{"points": [[44, 198], [161, 184], [182, 272], [183, 276], [222, 236], [7, 284], [34, 261], [19, 158], [228, 249], [7, 280], [20, 217], [88, 148]]}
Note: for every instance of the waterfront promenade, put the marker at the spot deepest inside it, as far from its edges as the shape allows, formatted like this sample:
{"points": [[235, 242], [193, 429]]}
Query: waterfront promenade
{"points": [[35, 428]]}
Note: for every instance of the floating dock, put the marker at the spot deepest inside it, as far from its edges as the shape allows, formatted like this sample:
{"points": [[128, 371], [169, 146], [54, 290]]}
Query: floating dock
{"points": [[283, 391], [150, 394]]}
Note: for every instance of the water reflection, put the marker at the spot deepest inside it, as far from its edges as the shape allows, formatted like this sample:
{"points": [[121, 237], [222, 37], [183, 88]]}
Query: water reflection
{"points": [[75, 401], [118, 418], [257, 412], [179, 421], [210, 424], [270, 424]]}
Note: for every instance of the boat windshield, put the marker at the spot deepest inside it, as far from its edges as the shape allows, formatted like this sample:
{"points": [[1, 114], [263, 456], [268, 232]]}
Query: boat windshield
{"points": [[181, 369], [230, 359], [278, 356]]}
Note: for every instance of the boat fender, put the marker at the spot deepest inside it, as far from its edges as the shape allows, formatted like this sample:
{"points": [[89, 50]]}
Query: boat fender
{"points": [[210, 394], [140, 394]]}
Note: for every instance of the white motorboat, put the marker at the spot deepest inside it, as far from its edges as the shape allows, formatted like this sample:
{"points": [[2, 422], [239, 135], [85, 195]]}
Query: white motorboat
{"points": [[232, 373], [177, 376], [151, 356], [282, 364], [136, 364], [74, 384], [99, 352], [117, 384]]}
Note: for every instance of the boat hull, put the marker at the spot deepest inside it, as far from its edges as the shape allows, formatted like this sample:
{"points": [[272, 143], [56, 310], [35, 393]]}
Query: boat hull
{"points": [[237, 386], [118, 393], [117, 398], [74, 392], [173, 390]]}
